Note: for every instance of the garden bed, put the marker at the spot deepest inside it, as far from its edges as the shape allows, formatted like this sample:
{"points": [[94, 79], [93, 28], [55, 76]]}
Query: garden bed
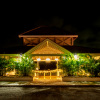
{"points": [[16, 78], [68, 79]]}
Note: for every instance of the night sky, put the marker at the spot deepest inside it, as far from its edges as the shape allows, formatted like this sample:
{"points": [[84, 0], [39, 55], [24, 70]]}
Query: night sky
{"points": [[82, 20]]}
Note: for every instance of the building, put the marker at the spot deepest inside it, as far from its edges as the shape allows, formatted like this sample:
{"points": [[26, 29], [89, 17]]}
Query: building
{"points": [[46, 45]]}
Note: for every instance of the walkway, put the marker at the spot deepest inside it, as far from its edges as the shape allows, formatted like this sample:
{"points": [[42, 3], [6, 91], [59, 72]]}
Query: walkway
{"points": [[48, 83]]}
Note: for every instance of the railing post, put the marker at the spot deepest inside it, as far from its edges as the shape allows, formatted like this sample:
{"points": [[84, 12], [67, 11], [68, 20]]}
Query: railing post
{"points": [[35, 74], [57, 73]]}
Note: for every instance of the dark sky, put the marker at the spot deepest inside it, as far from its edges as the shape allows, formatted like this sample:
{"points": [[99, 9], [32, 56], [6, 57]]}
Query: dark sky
{"points": [[82, 20]]}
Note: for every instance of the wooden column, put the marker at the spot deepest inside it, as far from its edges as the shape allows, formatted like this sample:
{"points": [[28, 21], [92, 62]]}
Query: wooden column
{"points": [[57, 64], [50, 74], [57, 67]]}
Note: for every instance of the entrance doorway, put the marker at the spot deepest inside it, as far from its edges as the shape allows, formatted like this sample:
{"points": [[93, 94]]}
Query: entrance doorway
{"points": [[47, 65]]}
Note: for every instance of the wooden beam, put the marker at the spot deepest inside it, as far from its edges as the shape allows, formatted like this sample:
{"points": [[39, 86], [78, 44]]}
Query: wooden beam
{"points": [[48, 35]]}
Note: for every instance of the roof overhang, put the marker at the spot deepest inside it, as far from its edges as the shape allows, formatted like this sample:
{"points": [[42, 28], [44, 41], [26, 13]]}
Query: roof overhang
{"points": [[48, 36]]}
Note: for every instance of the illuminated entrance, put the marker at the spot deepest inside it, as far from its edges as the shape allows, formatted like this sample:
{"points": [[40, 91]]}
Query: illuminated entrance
{"points": [[47, 70]]}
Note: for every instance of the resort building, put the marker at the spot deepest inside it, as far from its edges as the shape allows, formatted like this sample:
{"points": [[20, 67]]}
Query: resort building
{"points": [[46, 45]]}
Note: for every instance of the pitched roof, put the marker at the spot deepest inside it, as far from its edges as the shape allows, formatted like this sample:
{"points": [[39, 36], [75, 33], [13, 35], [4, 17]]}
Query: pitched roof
{"points": [[45, 30], [47, 42]]}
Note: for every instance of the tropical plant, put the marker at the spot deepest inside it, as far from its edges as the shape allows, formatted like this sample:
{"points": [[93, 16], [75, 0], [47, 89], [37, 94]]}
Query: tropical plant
{"points": [[68, 64], [25, 65], [84, 63]]}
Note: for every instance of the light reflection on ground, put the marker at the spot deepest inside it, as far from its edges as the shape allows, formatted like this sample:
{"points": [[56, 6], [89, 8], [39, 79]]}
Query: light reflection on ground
{"points": [[49, 93]]}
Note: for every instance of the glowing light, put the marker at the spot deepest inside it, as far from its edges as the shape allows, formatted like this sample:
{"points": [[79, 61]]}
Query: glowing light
{"points": [[47, 59], [88, 74], [56, 59], [21, 54], [75, 56], [38, 59], [37, 68]]}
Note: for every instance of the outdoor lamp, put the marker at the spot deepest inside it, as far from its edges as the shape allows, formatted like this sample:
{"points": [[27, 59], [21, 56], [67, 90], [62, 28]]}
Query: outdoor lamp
{"points": [[75, 56], [38, 59], [56, 59], [47, 59]]}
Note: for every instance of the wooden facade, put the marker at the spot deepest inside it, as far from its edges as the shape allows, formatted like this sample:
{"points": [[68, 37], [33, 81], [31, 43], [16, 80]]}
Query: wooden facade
{"points": [[63, 40]]}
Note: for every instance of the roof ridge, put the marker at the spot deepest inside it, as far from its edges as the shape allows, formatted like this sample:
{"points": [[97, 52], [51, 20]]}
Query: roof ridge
{"points": [[33, 29]]}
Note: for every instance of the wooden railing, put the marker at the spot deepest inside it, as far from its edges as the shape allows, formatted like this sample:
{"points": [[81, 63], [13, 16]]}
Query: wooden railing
{"points": [[47, 73]]}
